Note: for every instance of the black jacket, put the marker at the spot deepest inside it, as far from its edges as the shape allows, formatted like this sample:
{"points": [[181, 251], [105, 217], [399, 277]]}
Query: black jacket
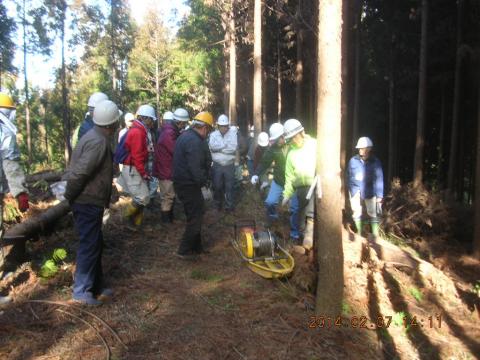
{"points": [[89, 176], [191, 159]]}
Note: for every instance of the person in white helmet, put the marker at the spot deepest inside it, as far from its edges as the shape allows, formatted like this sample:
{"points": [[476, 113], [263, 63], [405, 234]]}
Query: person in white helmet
{"points": [[223, 145], [89, 188], [136, 173], [299, 174], [276, 154], [87, 123], [129, 117], [163, 165], [365, 185]]}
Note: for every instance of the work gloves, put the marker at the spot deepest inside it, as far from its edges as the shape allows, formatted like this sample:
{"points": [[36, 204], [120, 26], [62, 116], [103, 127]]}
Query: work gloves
{"points": [[254, 179], [22, 200]]}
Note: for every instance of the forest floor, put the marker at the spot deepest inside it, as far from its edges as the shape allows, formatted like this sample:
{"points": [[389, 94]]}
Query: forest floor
{"points": [[216, 308]]}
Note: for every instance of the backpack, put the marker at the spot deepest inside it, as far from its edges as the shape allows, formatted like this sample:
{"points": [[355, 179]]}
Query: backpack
{"points": [[121, 152]]}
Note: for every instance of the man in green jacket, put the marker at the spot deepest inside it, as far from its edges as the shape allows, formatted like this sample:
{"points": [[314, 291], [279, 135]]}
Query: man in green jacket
{"points": [[299, 175], [276, 154]]}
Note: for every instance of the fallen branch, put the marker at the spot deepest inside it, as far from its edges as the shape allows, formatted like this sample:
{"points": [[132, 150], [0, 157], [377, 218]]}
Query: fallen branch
{"points": [[35, 225], [49, 176], [107, 349]]}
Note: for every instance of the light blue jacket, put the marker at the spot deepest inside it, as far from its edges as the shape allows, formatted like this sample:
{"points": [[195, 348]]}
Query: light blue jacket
{"points": [[365, 176]]}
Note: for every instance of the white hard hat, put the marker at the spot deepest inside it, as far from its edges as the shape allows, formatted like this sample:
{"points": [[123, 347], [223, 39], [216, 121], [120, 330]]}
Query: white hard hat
{"points": [[106, 113], [129, 117], [262, 139], [95, 98], [147, 110], [181, 115], [168, 115], [292, 127], [223, 120], [276, 130], [364, 142]]}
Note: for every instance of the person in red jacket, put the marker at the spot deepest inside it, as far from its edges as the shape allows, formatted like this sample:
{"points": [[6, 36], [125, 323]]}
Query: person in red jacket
{"points": [[162, 166], [135, 176]]}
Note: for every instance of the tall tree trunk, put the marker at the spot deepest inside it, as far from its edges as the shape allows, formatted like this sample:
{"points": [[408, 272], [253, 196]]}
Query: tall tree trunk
{"points": [[456, 104], [232, 104], [27, 96], [476, 233], [329, 208], [113, 53], [422, 99], [257, 68], [391, 104], [356, 95], [299, 98], [279, 82], [441, 138], [157, 73], [66, 119], [226, 59]]}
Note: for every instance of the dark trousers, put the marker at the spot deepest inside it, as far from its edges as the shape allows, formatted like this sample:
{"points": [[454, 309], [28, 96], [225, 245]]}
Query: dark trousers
{"points": [[193, 204], [223, 185], [88, 273]]}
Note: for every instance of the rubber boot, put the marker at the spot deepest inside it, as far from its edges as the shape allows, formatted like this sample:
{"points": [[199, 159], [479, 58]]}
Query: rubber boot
{"points": [[138, 218], [359, 226], [166, 217], [308, 234], [375, 228], [131, 210]]}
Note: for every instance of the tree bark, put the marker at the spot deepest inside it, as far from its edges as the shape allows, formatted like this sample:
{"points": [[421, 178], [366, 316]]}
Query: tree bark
{"points": [[226, 58], [279, 82], [356, 95], [391, 106], [65, 107], [27, 95], [299, 97], [476, 233], [48, 176], [329, 208], [257, 69], [422, 99], [441, 138], [13, 242], [232, 104], [456, 104]]}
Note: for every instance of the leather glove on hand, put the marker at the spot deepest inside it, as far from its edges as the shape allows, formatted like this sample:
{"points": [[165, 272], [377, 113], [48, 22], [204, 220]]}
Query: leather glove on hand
{"points": [[285, 202], [254, 179], [22, 200]]}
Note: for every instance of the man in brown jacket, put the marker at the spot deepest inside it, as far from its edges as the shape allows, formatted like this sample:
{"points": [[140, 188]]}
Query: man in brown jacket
{"points": [[89, 187]]}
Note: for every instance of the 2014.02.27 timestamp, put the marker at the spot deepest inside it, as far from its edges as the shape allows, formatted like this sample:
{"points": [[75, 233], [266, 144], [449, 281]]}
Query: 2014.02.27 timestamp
{"points": [[363, 322]]}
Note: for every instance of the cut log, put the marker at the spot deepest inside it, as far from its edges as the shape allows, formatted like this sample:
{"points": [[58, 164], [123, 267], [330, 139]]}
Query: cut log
{"points": [[49, 176], [13, 243]]}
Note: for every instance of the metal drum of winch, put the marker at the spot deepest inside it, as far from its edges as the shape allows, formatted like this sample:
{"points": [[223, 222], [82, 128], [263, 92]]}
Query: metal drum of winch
{"points": [[258, 244]]}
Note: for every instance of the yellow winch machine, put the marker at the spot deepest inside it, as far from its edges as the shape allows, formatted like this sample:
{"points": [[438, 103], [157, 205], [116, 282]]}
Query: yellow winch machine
{"points": [[261, 251]]}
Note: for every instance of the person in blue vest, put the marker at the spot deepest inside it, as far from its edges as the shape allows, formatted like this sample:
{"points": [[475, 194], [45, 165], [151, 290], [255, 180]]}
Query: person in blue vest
{"points": [[365, 185]]}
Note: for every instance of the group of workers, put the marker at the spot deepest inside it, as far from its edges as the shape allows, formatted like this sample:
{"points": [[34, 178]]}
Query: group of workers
{"points": [[182, 157]]}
